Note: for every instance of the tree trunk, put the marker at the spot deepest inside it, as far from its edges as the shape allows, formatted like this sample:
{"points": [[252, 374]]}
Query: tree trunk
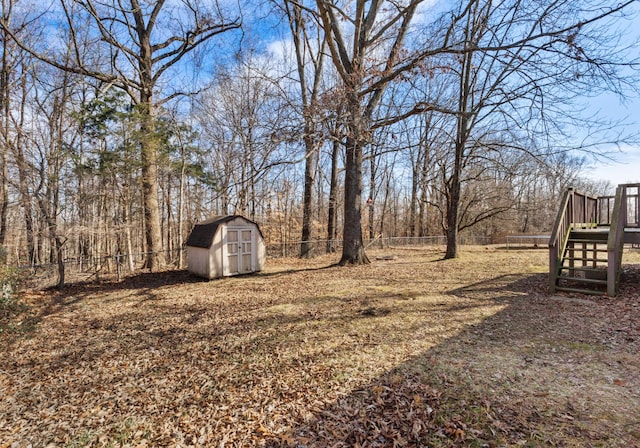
{"points": [[353, 247], [181, 209], [155, 256], [423, 219], [5, 108], [333, 199], [453, 200], [23, 182], [4, 196], [462, 132], [168, 206], [126, 220], [372, 197], [60, 261], [306, 247], [149, 157], [413, 202]]}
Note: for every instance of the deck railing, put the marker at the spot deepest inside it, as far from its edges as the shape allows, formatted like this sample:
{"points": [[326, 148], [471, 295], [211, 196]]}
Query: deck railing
{"points": [[632, 209]]}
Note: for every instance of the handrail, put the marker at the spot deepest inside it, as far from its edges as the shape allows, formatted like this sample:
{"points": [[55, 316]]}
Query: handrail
{"points": [[615, 242], [558, 234], [558, 227]]}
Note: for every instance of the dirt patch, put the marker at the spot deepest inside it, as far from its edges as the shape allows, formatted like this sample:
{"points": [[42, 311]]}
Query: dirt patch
{"points": [[408, 351]]}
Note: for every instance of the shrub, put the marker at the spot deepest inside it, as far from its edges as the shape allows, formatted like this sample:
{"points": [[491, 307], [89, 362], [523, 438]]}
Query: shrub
{"points": [[9, 297]]}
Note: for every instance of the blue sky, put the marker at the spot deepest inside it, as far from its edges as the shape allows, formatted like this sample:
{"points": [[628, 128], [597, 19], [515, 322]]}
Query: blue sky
{"points": [[626, 166], [626, 169]]}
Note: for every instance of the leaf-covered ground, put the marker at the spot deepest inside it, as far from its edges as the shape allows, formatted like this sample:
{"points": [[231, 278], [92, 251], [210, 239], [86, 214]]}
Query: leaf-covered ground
{"points": [[410, 351]]}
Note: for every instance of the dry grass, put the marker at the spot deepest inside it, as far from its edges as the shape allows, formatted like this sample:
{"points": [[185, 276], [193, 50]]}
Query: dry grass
{"points": [[413, 351]]}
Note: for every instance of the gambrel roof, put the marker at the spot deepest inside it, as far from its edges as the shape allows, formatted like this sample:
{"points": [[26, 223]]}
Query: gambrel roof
{"points": [[203, 232]]}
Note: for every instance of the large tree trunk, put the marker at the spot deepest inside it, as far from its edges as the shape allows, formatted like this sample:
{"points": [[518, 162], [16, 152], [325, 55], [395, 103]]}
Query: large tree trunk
{"points": [[462, 134], [155, 256], [149, 156], [353, 247]]}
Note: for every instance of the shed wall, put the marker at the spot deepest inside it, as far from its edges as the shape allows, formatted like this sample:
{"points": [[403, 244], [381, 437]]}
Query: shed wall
{"points": [[198, 261], [216, 261], [261, 251]]}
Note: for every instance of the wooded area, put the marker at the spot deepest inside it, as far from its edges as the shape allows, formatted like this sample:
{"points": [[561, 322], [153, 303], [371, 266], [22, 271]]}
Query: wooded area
{"points": [[125, 122]]}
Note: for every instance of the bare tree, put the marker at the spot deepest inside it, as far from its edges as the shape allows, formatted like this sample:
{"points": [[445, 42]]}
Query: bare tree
{"points": [[309, 52], [517, 66], [246, 121], [366, 43], [6, 68], [55, 141], [140, 49]]}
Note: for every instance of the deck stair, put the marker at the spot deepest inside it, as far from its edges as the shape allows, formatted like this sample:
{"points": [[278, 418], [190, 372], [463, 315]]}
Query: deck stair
{"points": [[585, 250], [583, 267]]}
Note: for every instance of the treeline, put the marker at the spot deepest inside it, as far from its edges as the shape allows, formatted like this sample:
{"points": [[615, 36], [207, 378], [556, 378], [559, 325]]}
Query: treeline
{"points": [[124, 123]]}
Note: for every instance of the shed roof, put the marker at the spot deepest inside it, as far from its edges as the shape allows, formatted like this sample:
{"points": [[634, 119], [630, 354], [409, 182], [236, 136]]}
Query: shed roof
{"points": [[203, 232]]}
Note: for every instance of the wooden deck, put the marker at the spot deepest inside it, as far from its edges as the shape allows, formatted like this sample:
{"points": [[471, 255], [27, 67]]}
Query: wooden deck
{"points": [[585, 248], [631, 234]]}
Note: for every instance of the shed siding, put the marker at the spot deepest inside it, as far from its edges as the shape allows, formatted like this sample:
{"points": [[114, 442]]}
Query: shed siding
{"points": [[260, 251], [216, 261], [198, 261]]}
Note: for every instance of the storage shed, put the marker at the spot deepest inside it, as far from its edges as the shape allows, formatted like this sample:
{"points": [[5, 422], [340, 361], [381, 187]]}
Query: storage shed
{"points": [[225, 245]]}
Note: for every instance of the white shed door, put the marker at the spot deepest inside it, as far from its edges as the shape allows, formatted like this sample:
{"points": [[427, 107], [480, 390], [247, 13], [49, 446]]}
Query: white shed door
{"points": [[239, 244]]}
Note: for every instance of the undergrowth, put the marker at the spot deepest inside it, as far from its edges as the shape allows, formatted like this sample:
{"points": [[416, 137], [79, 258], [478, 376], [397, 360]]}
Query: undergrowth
{"points": [[10, 303]]}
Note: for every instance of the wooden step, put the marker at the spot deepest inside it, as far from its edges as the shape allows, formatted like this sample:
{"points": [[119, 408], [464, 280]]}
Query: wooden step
{"points": [[588, 246], [587, 241], [600, 260], [592, 281], [583, 269], [580, 290]]}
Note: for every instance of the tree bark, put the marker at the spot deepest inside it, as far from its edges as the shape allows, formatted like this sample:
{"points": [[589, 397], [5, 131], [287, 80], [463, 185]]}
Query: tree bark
{"points": [[372, 196], [23, 177], [353, 246], [333, 199], [5, 98], [306, 247], [149, 157], [148, 145]]}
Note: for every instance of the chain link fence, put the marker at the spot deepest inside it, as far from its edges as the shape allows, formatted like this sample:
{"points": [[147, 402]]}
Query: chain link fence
{"points": [[115, 267]]}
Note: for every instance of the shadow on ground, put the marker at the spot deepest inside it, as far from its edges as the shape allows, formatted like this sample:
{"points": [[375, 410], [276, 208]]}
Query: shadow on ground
{"points": [[237, 370], [498, 383]]}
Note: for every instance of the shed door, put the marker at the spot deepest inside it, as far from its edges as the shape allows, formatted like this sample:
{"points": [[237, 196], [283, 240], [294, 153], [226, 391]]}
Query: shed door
{"points": [[239, 251]]}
